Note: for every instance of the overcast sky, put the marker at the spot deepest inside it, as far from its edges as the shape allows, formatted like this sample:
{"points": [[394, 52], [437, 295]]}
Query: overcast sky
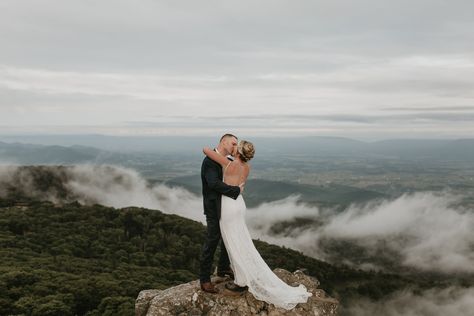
{"points": [[362, 69]]}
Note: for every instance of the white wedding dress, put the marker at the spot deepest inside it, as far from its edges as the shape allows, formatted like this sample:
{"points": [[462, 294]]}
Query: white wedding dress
{"points": [[248, 266]]}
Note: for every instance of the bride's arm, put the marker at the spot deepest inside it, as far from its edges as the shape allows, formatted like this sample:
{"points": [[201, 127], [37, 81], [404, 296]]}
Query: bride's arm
{"points": [[223, 161]]}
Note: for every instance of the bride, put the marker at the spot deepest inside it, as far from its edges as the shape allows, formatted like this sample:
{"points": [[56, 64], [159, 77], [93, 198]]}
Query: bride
{"points": [[249, 268]]}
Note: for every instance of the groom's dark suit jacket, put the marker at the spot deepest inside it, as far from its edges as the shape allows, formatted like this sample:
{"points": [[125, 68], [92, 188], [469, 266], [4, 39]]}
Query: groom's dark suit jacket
{"points": [[213, 187]]}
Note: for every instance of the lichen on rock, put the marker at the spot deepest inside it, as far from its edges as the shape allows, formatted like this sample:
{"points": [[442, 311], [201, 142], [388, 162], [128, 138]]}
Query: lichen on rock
{"points": [[188, 299]]}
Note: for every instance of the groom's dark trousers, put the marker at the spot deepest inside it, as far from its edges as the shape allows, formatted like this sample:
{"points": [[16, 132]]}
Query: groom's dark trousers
{"points": [[212, 190]]}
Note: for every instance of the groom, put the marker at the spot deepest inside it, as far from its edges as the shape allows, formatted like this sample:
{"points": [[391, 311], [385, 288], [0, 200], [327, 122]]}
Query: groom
{"points": [[212, 190]]}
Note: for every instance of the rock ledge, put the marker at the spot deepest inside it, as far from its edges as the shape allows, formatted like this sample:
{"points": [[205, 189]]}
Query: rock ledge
{"points": [[188, 299]]}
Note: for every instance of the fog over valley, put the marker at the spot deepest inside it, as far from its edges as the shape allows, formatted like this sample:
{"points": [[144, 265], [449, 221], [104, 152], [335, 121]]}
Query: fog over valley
{"points": [[361, 115], [426, 230], [410, 227]]}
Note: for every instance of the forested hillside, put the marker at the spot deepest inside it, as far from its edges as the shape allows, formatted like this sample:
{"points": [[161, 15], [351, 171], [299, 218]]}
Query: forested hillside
{"points": [[93, 260]]}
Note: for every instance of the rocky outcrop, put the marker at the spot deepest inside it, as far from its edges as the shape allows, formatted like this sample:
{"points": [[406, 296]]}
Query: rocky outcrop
{"points": [[189, 299]]}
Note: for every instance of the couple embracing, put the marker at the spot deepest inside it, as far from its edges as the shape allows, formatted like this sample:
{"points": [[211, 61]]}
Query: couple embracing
{"points": [[223, 181]]}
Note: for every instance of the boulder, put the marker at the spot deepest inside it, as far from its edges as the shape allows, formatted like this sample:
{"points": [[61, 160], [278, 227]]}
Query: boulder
{"points": [[188, 299]]}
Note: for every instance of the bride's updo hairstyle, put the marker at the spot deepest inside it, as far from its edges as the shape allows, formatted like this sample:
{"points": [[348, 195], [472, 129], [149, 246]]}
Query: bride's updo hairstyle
{"points": [[246, 150]]}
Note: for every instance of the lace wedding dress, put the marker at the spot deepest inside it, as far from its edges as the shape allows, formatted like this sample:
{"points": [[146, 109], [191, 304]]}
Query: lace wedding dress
{"points": [[248, 266]]}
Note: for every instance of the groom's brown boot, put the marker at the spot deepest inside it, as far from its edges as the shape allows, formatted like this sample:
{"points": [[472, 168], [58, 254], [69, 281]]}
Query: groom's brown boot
{"points": [[235, 290], [208, 287]]}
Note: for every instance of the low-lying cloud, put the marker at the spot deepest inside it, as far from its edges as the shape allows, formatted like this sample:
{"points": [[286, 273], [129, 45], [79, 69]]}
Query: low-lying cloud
{"points": [[108, 185], [428, 231], [449, 301]]}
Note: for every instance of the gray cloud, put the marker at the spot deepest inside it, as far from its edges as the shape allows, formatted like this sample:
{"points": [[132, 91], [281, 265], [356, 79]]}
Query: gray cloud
{"points": [[161, 32], [359, 125], [426, 231], [466, 115], [337, 61], [433, 302], [109, 185], [429, 109]]}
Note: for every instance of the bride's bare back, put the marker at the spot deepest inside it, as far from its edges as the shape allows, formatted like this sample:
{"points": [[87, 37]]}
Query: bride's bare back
{"points": [[235, 172]]}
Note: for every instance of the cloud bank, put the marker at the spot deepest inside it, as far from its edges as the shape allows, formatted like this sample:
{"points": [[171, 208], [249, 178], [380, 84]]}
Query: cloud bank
{"points": [[108, 185], [427, 231], [433, 302]]}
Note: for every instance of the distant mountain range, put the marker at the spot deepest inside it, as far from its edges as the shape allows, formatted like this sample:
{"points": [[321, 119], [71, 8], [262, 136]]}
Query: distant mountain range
{"points": [[26, 154], [418, 149]]}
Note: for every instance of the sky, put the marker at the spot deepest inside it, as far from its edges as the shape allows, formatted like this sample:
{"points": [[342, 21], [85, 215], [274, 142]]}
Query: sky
{"points": [[367, 69]]}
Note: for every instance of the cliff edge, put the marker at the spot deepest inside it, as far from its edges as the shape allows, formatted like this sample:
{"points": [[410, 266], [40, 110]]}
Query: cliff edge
{"points": [[189, 299]]}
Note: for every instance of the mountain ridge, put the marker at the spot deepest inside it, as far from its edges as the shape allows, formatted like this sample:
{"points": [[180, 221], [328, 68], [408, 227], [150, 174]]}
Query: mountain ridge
{"points": [[461, 149]]}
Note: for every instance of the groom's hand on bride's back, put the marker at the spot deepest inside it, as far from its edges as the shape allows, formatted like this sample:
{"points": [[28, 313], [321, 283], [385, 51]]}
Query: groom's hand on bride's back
{"points": [[241, 186]]}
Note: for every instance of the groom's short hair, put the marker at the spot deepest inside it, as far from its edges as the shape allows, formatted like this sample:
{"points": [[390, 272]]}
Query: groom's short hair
{"points": [[227, 135]]}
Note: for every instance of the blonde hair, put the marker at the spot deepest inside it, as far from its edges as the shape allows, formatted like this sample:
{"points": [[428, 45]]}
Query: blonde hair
{"points": [[246, 150]]}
